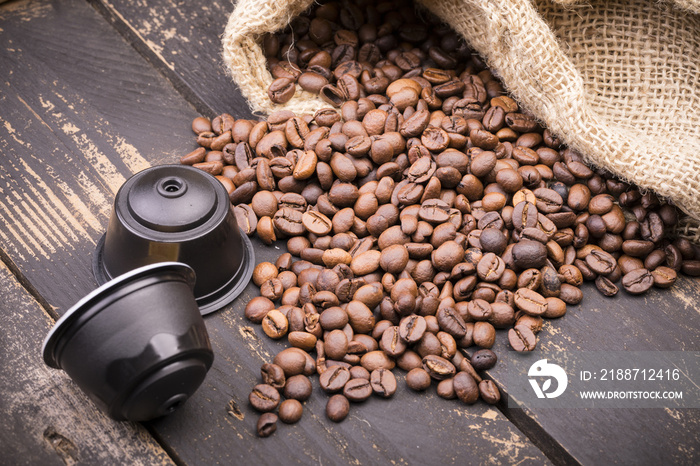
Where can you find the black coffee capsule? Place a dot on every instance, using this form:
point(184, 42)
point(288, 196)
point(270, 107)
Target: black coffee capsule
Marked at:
point(137, 346)
point(178, 213)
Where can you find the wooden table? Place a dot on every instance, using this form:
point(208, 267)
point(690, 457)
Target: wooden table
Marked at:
point(92, 92)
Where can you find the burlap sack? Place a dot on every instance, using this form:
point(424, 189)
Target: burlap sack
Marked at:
point(617, 80)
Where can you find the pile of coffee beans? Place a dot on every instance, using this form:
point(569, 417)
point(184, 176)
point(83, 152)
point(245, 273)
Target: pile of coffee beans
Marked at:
point(426, 207)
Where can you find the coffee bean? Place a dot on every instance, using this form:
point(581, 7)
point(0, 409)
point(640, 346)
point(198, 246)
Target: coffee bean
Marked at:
point(273, 375)
point(555, 308)
point(465, 388)
point(264, 398)
point(267, 424)
point(298, 387)
point(412, 328)
point(570, 294)
point(529, 254)
point(336, 344)
point(418, 379)
point(357, 390)
point(530, 302)
point(524, 215)
point(289, 221)
point(601, 262)
point(376, 360)
point(451, 322)
point(664, 277)
point(438, 367)
point(521, 338)
point(257, 308)
point(605, 286)
point(316, 223)
point(337, 408)
point(483, 359)
point(391, 343)
point(383, 383)
point(490, 268)
point(484, 334)
point(291, 360)
point(637, 281)
point(275, 324)
point(489, 392)
point(334, 379)
point(290, 411)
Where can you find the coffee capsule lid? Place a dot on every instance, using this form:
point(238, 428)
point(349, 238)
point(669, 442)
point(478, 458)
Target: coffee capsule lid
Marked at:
point(178, 213)
point(78, 312)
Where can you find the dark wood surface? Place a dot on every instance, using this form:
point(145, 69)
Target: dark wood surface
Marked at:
point(92, 93)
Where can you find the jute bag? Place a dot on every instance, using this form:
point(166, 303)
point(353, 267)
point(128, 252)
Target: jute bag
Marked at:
point(617, 80)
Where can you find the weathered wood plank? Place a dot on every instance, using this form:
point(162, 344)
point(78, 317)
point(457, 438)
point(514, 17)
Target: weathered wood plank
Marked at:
point(661, 320)
point(44, 417)
point(182, 40)
point(80, 112)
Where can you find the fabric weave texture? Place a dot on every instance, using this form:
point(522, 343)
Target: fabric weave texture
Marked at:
point(617, 80)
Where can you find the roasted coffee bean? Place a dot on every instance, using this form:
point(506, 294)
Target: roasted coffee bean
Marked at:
point(412, 328)
point(391, 343)
point(555, 308)
point(357, 390)
point(337, 408)
point(298, 387)
point(484, 334)
point(273, 375)
point(530, 302)
point(438, 367)
point(316, 223)
point(275, 324)
point(664, 277)
point(376, 360)
point(451, 322)
point(490, 268)
point(336, 344)
point(489, 392)
point(691, 268)
point(521, 338)
point(493, 240)
point(601, 262)
point(418, 379)
point(257, 308)
point(465, 387)
point(290, 411)
point(483, 359)
point(267, 424)
point(281, 90)
point(524, 216)
point(605, 286)
point(291, 360)
point(529, 254)
point(264, 398)
point(570, 294)
point(359, 372)
point(383, 382)
point(334, 379)
point(637, 281)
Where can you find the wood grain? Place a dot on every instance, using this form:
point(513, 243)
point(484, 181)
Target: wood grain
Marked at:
point(44, 417)
point(661, 320)
point(81, 111)
point(182, 40)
